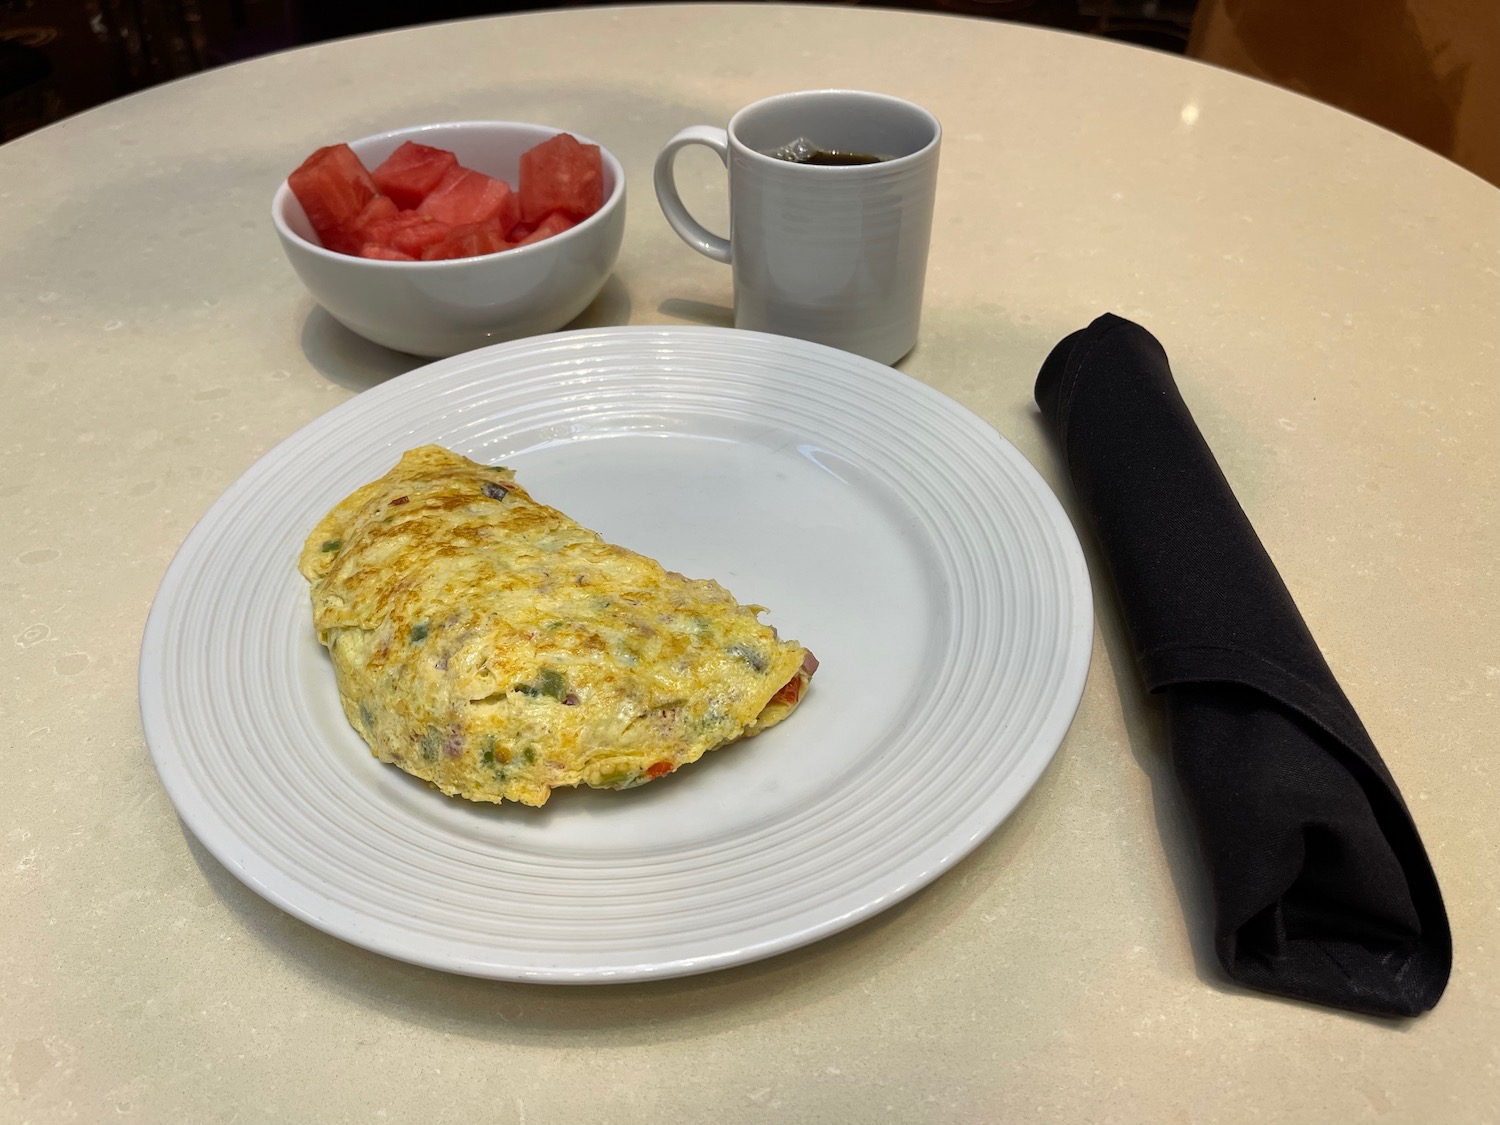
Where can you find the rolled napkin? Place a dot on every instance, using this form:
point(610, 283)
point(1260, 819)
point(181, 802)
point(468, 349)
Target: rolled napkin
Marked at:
point(1321, 887)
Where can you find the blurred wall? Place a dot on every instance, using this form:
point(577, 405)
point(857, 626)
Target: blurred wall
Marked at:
point(1427, 69)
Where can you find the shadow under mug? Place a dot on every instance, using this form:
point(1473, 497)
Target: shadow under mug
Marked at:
point(832, 254)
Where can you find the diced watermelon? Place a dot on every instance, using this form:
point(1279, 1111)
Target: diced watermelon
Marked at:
point(561, 175)
point(333, 188)
point(554, 223)
point(412, 171)
point(408, 232)
point(385, 253)
point(378, 210)
point(417, 237)
point(466, 197)
point(420, 203)
point(468, 241)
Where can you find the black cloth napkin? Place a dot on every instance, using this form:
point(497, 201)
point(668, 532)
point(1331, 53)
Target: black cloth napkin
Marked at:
point(1321, 887)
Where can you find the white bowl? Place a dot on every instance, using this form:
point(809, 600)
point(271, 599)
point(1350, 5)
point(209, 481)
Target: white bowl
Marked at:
point(445, 307)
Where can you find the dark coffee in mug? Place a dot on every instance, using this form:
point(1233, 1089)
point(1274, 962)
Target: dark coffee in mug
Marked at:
point(828, 158)
point(804, 151)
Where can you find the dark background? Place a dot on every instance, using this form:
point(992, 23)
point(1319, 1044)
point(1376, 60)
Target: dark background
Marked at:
point(61, 56)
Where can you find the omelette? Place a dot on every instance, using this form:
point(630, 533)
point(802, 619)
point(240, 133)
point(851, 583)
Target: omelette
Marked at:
point(491, 646)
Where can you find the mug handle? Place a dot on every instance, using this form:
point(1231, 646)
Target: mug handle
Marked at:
point(688, 228)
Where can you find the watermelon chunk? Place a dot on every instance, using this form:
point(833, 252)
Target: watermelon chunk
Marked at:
point(561, 175)
point(554, 223)
point(469, 241)
point(466, 197)
point(421, 204)
point(378, 210)
point(410, 173)
point(333, 188)
point(415, 238)
point(408, 232)
point(385, 253)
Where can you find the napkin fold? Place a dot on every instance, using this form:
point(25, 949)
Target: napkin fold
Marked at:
point(1321, 887)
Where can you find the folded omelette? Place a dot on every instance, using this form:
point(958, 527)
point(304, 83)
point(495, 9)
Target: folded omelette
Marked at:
point(493, 647)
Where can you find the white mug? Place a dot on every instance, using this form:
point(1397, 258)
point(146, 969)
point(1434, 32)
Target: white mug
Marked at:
point(833, 254)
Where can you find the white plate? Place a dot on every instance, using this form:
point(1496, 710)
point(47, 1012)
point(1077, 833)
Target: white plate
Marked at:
point(891, 531)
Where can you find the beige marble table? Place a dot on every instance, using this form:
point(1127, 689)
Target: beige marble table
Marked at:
point(1330, 295)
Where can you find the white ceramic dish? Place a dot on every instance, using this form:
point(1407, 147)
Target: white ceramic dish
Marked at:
point(446, 307)
point(909, 545)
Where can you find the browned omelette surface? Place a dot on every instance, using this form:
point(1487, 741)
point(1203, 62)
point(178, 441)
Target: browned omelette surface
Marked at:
point(492, 646)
